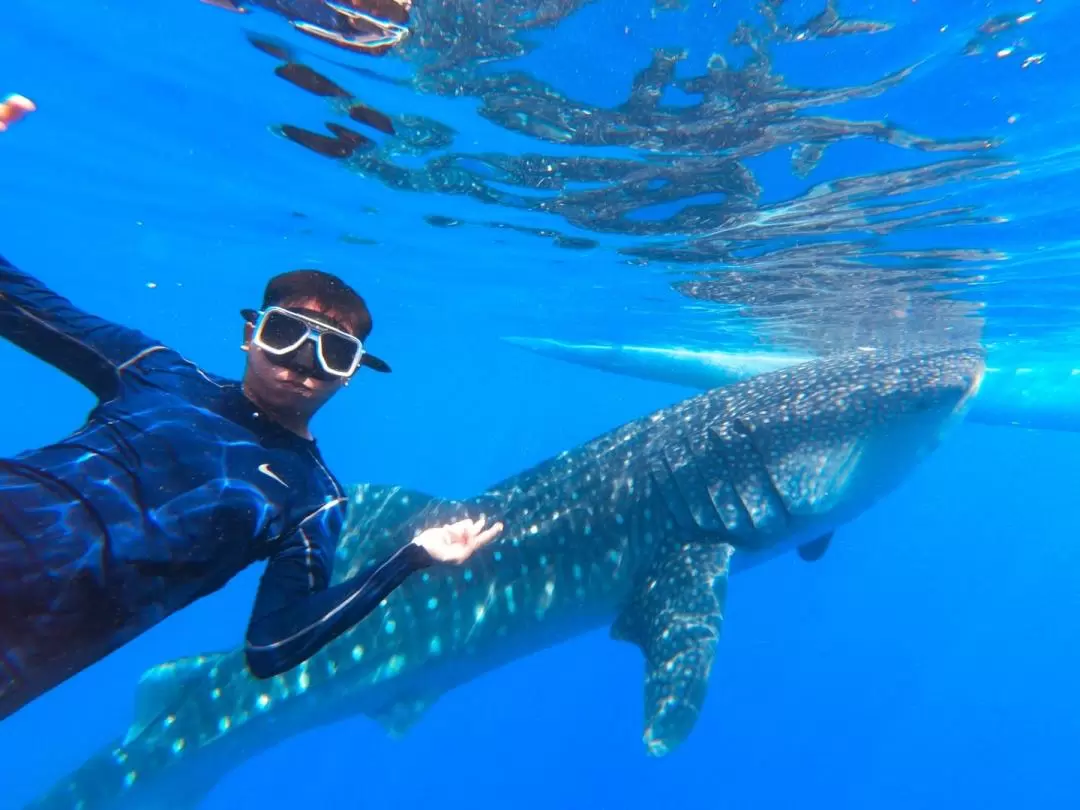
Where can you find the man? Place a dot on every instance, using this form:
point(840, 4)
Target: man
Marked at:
point(179, 480)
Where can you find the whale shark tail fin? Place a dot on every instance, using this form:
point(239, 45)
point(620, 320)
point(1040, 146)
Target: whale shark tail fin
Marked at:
point(114, 770)
point(675, 618)
point(162, 690)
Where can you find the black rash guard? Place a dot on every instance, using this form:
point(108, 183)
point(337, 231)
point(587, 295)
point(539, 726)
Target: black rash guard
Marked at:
point(175, 483)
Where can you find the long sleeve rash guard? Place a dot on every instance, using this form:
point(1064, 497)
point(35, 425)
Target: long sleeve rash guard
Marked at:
point(175, 483)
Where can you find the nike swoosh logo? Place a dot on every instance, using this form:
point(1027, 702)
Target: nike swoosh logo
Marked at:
point(265, 470)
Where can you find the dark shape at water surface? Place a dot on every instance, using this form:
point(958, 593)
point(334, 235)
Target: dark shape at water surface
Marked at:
point(350, 239)
point(437, 221)
point(557, 239)
point(574, 243)
point(307, 79)
point(344, 143)
point(372, 117)
point(275, 48)
point(349, 136)
point(676, 177)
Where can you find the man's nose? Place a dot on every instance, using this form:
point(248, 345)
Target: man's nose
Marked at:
point(306, 353)
point(304, 357)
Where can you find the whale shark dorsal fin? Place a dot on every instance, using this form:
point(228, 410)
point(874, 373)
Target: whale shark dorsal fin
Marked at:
point(675, 618)
point(378, 516)
point(815, 549)
point(161, 686)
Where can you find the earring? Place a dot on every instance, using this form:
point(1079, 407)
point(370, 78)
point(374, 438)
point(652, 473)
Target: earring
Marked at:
point(243, 347)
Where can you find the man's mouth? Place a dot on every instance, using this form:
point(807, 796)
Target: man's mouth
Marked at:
point(295, 383)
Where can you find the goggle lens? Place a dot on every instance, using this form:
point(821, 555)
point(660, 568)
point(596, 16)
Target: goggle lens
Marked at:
point(339, 353)
point(280, 331)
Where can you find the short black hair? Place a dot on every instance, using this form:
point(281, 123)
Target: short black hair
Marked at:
point(326, 288)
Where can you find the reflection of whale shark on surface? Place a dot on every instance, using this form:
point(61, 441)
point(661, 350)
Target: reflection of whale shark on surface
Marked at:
point(637, 529)
point(1044, 396)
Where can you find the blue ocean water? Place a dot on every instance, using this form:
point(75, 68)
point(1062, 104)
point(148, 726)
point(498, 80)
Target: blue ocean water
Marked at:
point(926, 661)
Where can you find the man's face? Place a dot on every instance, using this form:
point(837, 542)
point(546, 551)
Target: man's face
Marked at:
point(286, 384)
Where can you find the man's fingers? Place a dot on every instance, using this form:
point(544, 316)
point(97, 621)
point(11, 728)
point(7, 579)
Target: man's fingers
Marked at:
point(472, 532)
point(467, 526)
point(459, 528)
point(485, 537)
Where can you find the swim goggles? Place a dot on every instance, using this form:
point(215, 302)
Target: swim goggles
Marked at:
point(281, 331)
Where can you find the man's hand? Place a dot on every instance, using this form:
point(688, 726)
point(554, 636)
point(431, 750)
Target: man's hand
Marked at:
point(13, 108)
point(455, 543)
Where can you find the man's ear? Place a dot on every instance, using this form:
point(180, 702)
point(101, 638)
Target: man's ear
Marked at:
point(249, 330)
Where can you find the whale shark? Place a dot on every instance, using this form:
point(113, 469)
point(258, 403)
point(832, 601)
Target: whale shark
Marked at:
point(1041, 393)
point(638, 530)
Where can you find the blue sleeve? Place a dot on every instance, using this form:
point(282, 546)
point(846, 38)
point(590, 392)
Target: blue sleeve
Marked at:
point(83, 346)
point(296, 614)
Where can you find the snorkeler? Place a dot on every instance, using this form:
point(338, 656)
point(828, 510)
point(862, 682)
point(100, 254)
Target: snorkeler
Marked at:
point(179, 480)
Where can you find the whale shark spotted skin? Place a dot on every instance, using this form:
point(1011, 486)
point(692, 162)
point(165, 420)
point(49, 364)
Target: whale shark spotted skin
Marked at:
point(638, 529)
point(1041, 392)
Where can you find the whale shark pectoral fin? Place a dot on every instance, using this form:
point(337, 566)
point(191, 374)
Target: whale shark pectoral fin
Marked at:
point(815, 549)
point(675, 619)
point(161, 687)
point(398, 717)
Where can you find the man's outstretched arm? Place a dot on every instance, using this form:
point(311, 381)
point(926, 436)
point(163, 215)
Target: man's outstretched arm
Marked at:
point(90, 349)
point(296, 614)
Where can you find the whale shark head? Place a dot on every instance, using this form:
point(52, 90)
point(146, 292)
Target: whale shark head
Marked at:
point(754, 469)
point(833, 436)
